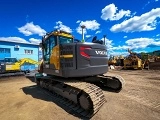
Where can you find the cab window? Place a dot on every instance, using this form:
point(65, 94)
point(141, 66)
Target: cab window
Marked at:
point(65, 40)
point(48, 46)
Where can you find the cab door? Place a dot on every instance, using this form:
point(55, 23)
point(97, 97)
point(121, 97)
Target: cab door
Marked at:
point(51, 53)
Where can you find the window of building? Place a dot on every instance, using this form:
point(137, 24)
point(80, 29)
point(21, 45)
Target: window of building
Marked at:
point(5, 50)
point(28, 51)
point(1, 50)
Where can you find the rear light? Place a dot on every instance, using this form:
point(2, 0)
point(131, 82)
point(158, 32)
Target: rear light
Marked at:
point(82, 51)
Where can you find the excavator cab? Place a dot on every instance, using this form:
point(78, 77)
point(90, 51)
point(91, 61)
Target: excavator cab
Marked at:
point(66, 58)
point(10, 60)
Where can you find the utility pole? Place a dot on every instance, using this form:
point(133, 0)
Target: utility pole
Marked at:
point(105, 43)
point(104, 36)
point(83, 27)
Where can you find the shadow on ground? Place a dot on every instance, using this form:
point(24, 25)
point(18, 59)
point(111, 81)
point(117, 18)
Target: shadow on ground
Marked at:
point(31, 78)
point(39, 93)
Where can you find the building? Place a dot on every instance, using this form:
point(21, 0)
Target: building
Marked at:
point(18, 50)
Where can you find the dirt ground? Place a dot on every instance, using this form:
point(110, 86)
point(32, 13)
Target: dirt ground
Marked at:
point(21, 99)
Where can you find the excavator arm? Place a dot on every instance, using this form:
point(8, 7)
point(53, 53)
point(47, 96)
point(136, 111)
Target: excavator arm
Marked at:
point(27, 60)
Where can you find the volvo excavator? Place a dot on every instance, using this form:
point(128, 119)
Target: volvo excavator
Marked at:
point(75, 71)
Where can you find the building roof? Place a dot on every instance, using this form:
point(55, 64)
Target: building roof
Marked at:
point(21, 42)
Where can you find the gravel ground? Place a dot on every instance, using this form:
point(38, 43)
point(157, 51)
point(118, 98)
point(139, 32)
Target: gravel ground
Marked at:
point(20, 99)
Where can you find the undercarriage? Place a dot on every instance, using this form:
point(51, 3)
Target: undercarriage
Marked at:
point(83, 92)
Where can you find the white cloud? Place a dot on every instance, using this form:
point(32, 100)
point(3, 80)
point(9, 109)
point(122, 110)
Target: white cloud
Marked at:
point(124, 47)
point(145, 22)
point(13, 39)
point(118, 53)
point(110, 13)
point(133, 14)
point(137, 43)
point(158, 35)
point(87, 36)
point(108, 43)
point(35, 41)
point(89, 24)
point(133, 44)
point(78, 21)
point(98, 32)
point(20, 40)
point(125, 37)
point(156, 43)
point(140, 51)
point(79, 30)
point(157, 39)
point(30, 29)
point(60, 26)
point(112, 50)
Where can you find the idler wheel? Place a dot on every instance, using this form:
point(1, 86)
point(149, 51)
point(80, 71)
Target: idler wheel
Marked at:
point(85, 102)
point(115, 84)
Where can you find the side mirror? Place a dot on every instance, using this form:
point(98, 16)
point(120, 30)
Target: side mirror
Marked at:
point(41, 45)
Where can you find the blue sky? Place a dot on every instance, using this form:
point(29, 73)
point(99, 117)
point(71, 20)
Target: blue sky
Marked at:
point(133, 24)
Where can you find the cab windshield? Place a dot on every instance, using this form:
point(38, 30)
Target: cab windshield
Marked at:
point(65, 40)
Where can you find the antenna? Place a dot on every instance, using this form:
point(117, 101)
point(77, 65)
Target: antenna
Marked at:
point(104, 36)
point(83, 26)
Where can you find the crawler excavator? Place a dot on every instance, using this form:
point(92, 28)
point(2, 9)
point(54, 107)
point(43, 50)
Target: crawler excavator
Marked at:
point(75, 71)
point(12, 66)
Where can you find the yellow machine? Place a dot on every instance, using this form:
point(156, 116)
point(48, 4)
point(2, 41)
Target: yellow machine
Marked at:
point(116, 60)
point(74, 71)
point(13, 65)
point(133, 62)
point(112, 60)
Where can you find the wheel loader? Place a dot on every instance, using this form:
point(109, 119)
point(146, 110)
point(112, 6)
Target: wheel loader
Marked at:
point(75, 71)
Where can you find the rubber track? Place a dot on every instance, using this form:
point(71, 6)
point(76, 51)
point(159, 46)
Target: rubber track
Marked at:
point(93, 91)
